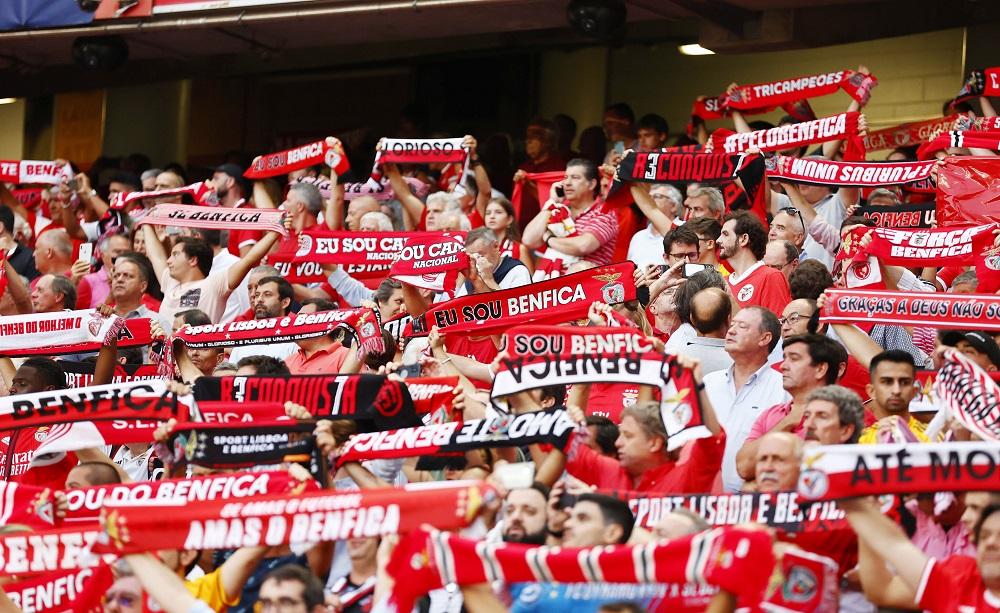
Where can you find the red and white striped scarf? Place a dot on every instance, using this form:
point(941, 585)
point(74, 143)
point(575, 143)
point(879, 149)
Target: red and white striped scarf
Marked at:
point(202, 193)
point(970, 394)
point(34, 171)
point(737, 560)
point(69, 332)
point(818, 171)
point(219, 218)
point(971, 139)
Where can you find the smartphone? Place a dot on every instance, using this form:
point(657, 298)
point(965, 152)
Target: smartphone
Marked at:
point(567, 500)
point(408, 371)
point(620, 147)
point(693, 269)
point(560, 191)
point(519, 475)
point(86, 252)
point(73, 185)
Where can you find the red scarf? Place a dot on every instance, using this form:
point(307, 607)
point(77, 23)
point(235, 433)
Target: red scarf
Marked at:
point(81, 374)
point(837, 127)
point(861, 174)
point(33, 171)
point(56, 549)
point(305, 518)
point(935, 310)
point(955, 139)
point(80, 591)
point(431, 262)
point(286, 329)
point(542, 185)
point(980, 124)
point(656, 167)
point(830, 472)
point(421, 151)
point(966, 191)
point(68, 332)
point(25, 504)
point(345, 247)
point(202, 193)
point(737, 560)
point(908, 134)
point(220, 218)
point(328, 151)
point(920, 215)
point(552, 301)
point(765, 97)
point(970, 395)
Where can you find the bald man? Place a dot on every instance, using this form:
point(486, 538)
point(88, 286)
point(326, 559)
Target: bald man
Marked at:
point(711, 310)
point(779, 455)
point(357, 209)
point(54, 253)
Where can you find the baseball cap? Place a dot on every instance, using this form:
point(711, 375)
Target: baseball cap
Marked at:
point(983, 343)
point(235, 172)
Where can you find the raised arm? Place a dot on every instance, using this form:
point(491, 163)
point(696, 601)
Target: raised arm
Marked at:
point(886, 539)
point(412, 206)
point(253, 256)
point(659, 219)
point(164, 586)
point(154, 248)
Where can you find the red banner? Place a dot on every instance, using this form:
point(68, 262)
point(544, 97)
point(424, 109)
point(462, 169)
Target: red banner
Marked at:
point(908, 134)
point(421, 151)
point(297, 158)
point(818, 171)
point(837, 127)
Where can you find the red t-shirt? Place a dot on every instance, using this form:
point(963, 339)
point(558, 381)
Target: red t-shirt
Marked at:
point(761, 286)
point(953, 585)
point(242, 238)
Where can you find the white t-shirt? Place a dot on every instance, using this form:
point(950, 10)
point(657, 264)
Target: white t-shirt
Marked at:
point(208, 294)
point(238, 301)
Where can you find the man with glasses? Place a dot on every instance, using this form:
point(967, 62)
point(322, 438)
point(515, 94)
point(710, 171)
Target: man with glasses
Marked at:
point(680, 245)
point(782, 256)
point(794, 319)
point(708, 231)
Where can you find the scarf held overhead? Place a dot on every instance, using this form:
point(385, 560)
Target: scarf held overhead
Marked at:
point(922, 215)
point(243, 445)
point(306, 518)
point(966, 191)
point(847, 174)
point(778, 93)
point(908, 134)
point(33, 171)
point(376, 400)
point(69, 332)
point(421, 151)
point(959, 139)
point(365, 248)
point(286, 329)
point(328, 151)
point(831, 472)
point(737, 560)
point(970, 395)
point(553, 301)
point(837, 127)
point(221, 218)
point(980, 83)
point(202, 194)
point(935, 310)
point(431, 263)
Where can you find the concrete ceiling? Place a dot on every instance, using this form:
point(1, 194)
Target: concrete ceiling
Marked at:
point(306, 35)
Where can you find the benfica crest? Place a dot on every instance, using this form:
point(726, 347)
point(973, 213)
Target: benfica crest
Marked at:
point(991, 257)
point(115, 529)
point(813, 483)
point(613, 293)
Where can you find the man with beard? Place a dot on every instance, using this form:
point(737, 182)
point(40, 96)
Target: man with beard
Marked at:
point(272, 298)
point(525, 515)
point(743, 243)
point(891, 389)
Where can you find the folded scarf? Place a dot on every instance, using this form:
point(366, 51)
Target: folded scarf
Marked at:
point(552, 426)
point(737, 560)
point(375, 401)
point(221, 218)
point(27, 505)
point(557, 300)
point(297, 158)
point(202, 193)
point(920, 215)
point(69, 332)
point(303, 519)
point(33, 171)
point(431, 263)
point(908, 134)
point(969, 394)
point(819, 171)
point(287, 329)
point(934, 310)
point(966, 190)
point(831, 472)
point(837, 127)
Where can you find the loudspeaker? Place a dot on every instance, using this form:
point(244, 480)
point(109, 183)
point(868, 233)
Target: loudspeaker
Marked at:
point(601, 19)
point(100, 52)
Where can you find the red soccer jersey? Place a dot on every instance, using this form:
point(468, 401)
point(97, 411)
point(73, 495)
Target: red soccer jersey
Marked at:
point(953, 585)
point(761, 286)
point(609, 399)
point(243, 238)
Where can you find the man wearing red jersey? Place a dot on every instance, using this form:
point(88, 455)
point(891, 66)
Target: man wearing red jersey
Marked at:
point(743, 242)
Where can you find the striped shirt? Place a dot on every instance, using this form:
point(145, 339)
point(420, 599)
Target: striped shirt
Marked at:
point(603, 226)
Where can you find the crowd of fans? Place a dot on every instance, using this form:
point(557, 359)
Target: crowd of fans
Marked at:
point(772, 377)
